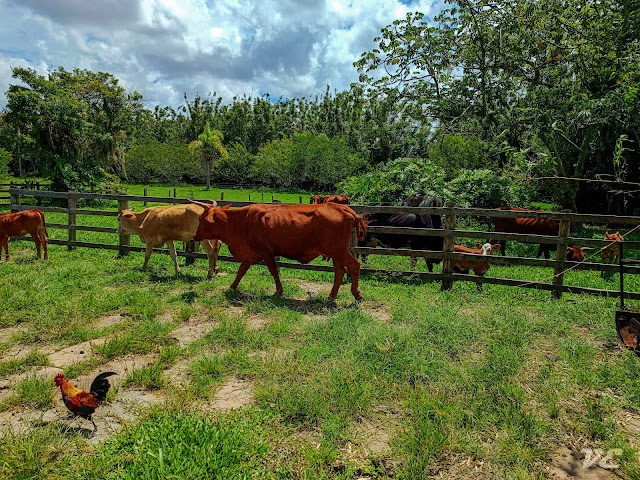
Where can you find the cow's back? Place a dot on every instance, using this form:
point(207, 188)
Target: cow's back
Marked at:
point(298, 231)
point(21, 223)
point(171, 222)
point(537, 226)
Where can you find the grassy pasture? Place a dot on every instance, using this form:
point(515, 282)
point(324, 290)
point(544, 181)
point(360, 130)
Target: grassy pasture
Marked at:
point(413, 383)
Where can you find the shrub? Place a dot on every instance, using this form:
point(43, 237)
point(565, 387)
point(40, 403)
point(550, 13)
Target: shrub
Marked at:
point(153, 161)
point(394, 181)
point(236, 167)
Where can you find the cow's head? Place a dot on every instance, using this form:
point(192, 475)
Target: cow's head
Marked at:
point(315, 199)
point(613, 236)
point(125, 222)
point(575, 254)
point(487, 248)
point(206, 230)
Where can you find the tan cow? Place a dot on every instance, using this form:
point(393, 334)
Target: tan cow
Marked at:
point(167, 224)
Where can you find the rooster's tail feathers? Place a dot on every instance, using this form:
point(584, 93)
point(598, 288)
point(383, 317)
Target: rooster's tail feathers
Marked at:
point(100, 385)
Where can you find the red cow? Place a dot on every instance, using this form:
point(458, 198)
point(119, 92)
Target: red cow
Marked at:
point(28, 222)
point(535, 226)
point(342, 199)
point(575, 254)
point(260, 232)
point(479, 267)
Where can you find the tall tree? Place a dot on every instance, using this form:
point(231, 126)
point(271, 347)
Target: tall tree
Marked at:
point(554, 81)
point(74, 123)
point(209, 149)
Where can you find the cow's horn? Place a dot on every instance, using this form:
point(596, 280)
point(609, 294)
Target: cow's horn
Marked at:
point(195, 202)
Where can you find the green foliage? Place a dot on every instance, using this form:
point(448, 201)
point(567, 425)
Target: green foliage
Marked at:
point(161, 162)
point(234, 168)
point(459, 151)
point(72, 124)
point(393, 182)
point(5, 160)
point(306, 161)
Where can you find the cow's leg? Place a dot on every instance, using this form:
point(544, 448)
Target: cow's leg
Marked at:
point(429, 262)
point(413, 262)
point(147, 254)
point(212, 247)
point(4, 243)
point(241, 271)
point(503, 247)
point(174, 256)
point(36, 240)
point(339, 266)
point(270, 262)
point(43, 239)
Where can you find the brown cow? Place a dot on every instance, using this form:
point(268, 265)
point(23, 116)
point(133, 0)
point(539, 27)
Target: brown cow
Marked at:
point(478, 266)
point(536, 226)
point(165, 224)
point(18, 224)
point(611, 253)
point(260, 232)
point(341, 199)
point(575, 254)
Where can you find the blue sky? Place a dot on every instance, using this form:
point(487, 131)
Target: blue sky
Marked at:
point(165, 48)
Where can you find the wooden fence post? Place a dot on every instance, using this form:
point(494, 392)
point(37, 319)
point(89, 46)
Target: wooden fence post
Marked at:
point(15, 198)
point(71, 205)
point(145, 194)
point(190, 247)
point(263, 197)
point(449, 241)
point(124, 238)
point(300, 198)
point(561, 256)
point(221, 196)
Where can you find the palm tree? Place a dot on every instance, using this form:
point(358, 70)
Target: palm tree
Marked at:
point(209, 149)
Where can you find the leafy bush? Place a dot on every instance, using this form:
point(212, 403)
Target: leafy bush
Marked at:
point(394, 181)
point(236, 167)
point(161, 162)
point(459, 151)
point(306, 161)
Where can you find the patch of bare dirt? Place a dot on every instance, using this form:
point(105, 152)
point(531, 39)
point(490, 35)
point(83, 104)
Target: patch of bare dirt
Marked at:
point(75, 353)
point(565, 464)
point(191, 331)
point(235, 393)
point(109, 321)
point(166, 317)
point(256, 322)
point(372, 435)
point(313, 288)
point(178, 373)
point(41, 372)
point(629, 421)
point(378, 310)
point(18, 352)
point(7, 333)
point(123, 366)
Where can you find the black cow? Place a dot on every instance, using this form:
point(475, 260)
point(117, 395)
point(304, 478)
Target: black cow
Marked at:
point(413, 242)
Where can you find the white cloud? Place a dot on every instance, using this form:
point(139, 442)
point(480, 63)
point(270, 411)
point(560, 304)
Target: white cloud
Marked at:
point(164, 48)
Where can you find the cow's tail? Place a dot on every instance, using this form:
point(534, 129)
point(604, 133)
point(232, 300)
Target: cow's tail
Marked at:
point(44, 224)
point(361, 228)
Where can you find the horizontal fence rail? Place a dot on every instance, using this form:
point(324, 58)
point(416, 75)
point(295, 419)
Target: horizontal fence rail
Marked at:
point(450, 234)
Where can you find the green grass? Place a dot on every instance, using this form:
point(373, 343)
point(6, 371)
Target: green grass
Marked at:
point(504, 378)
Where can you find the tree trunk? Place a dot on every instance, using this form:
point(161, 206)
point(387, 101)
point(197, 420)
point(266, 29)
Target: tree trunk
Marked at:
point(207, 168)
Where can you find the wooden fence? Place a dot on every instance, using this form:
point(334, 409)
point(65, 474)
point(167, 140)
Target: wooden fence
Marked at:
point(449, 232)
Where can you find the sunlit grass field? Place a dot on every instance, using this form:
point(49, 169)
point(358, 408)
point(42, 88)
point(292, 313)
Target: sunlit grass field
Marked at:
point(411, 383)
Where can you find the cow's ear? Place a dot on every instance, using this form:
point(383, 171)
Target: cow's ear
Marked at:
point(226, 207)
point(479, 245)
point(495, 246)
point(209, 217)
point(128, 215)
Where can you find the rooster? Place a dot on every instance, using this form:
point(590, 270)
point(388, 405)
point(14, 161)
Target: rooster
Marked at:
point(80, 402)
